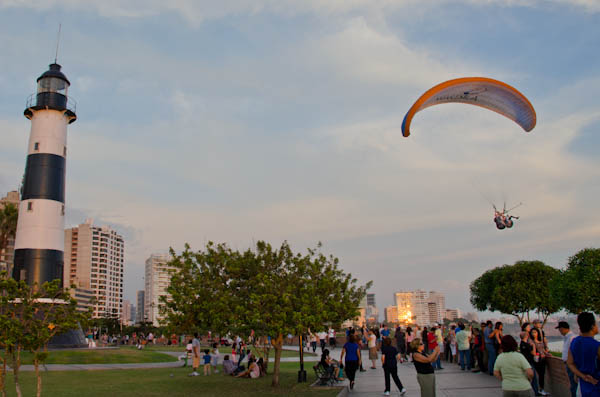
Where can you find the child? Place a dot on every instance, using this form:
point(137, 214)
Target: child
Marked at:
point(188, 353)
point(234, 353)
point(214, 358)
point(206, 359)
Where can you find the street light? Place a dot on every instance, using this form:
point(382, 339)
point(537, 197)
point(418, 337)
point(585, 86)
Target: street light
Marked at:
point(301, 372)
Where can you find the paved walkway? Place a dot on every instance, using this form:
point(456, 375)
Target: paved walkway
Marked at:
point(450, 382)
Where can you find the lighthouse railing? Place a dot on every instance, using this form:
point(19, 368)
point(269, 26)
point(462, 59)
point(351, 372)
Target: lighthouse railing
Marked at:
point(32, 100)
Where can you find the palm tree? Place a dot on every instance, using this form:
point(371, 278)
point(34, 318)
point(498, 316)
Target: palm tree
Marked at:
point(8, 224)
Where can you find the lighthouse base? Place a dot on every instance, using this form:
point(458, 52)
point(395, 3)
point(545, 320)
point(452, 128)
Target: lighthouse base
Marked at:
point(68, 340)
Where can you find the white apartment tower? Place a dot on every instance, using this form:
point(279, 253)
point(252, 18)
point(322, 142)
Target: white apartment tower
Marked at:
point(94, 258)
point(420, 307)
point(158, 278)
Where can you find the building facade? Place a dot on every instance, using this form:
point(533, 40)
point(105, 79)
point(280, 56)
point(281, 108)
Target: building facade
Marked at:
point(7, 255)
point(157, 280)
point(420, 307)
point(452, 314)
point(139, 310)
point(391, 315)
point(94, 259)
point(126, 313)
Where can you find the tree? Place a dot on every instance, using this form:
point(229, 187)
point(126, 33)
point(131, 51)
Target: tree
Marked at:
point(8, 224)
point(271, 292)
point(516, 290)
point(30, 316)
point(577, 288)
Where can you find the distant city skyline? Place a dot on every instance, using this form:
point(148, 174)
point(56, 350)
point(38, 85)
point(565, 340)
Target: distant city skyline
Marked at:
point(234, 123)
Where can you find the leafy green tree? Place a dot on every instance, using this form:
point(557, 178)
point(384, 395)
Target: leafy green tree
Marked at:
point(30, 316)
point(271, 292)
point(516, 290)
point(577, 287)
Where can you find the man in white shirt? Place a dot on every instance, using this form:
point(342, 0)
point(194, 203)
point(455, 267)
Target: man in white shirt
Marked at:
point(565, 331)
point(331, 335)
point(322, 339)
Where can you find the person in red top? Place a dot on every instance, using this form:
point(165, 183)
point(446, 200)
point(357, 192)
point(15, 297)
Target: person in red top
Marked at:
point(432, 344)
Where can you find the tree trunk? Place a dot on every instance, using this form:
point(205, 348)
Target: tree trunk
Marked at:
point(16, 365)
point(36, 364)
point(278, 345)
point(266, 350)
point(3, 376)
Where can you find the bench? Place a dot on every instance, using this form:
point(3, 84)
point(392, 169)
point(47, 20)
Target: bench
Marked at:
point(325, 376)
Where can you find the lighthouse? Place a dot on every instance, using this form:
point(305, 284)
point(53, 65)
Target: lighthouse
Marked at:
point(39, 242)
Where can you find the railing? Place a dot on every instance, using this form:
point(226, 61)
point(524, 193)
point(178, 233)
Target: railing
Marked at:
point(32, 102)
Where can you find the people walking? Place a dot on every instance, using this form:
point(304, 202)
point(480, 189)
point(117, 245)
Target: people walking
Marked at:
point(527, 349)
point(425, 372)
point(513, 370)
point(401, 343)
point(452, 342)
point(584, 355)
point(540, 358)
point(351, 353)
point(488, 336)
point(463, 342)
point(389, 362)
point(565, 330)
point(372, 345)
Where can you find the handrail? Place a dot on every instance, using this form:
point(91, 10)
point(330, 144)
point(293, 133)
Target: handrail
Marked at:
point(32, 102)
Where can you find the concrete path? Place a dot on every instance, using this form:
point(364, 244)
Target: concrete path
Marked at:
point(450, 382)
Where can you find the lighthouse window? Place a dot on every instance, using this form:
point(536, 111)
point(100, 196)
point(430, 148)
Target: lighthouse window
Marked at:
point(62, 211)
point(36, 146)
point(30, 206)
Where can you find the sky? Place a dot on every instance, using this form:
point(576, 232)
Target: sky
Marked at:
point(275, 120)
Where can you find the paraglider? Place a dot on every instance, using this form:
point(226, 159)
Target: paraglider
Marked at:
point(479, 91)
point(487, 93)
point(502, 219)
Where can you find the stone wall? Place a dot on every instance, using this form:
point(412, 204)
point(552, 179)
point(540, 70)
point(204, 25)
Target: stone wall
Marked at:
point(557, 381)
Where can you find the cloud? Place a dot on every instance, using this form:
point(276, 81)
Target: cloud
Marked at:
point(196, 12)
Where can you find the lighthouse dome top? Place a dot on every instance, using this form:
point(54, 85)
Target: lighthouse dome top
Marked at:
point(54, 72)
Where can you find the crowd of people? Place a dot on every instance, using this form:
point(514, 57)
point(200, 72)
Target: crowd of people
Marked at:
point(520, 365)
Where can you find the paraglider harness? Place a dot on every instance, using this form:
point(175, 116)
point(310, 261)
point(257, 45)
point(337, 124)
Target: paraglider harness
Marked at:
point(502, 219)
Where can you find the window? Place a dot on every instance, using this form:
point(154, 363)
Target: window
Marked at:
point(36, 146)
point(64, 151)
point(29, 206)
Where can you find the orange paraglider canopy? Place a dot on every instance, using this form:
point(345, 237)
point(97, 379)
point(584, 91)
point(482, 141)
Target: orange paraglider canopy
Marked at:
point(479, 91)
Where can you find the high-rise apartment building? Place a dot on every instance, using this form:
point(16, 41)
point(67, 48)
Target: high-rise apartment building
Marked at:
point(420, 307)
point(452, 314)
point(437, 311)
point(372, 313)
point(126, 313)
point(139, 311)
point(391, 315)
point(94, 259)
point(7, 255)
point(158, 278)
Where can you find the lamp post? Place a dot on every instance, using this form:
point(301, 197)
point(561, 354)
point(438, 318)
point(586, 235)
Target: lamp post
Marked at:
point(301, 372)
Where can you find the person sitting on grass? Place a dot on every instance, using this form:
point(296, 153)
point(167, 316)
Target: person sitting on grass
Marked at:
point(253, 370)
point(228, 365)
point(206, 359)
point(329, 364)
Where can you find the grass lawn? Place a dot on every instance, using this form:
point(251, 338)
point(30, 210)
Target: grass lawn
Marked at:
point(172, 382)
point(222, 350)
point(102, 356)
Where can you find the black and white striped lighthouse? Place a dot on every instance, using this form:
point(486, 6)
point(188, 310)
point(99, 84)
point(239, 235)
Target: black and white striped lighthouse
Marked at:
point(39, 243)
